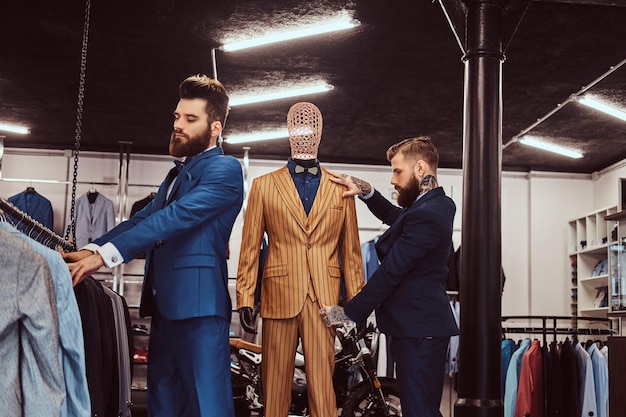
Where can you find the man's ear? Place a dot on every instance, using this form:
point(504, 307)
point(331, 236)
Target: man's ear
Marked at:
point(216, 128)
point(420, 168)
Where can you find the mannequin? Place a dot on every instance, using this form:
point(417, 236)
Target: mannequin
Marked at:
point(312, 243)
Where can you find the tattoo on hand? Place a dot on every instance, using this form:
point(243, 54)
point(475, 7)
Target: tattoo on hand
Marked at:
point(363, 186)
point(428, 183)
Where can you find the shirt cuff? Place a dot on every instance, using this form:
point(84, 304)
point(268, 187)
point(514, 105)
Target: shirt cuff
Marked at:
point(110, 255)
point(91, 247)
point(368, 195)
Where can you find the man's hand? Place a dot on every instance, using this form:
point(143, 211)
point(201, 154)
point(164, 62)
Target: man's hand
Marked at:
point(355, 186)
point(334, 316)
point(69, 257)
point(247, 319)
point(84, 266)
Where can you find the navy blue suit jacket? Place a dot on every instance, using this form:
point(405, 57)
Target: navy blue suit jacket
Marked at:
point(35, 205)
point(185, 238)
point(408, 290)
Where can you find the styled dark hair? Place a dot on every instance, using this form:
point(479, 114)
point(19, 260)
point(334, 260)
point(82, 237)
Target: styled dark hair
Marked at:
point(415, 149)
point(201, 86)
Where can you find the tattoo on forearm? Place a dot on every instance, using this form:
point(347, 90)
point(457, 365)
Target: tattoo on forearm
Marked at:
point(364, 186)
point(428, 183)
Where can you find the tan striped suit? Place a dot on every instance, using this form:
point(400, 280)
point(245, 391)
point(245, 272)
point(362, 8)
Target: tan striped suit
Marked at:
point(303, 269)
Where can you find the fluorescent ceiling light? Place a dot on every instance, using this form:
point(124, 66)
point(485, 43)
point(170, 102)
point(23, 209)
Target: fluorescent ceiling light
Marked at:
point(292, 34)
point(14, 129)
point(257, 98)
point(550, 147)
point(598, 105)
point(256, 137)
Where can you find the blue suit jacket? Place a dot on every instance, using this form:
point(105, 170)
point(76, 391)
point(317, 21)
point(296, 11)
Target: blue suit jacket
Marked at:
point(35, 205)
point(185, 238)
point(408, 290)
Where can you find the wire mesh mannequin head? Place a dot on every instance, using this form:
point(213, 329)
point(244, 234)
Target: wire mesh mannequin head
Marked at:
point(304, 123)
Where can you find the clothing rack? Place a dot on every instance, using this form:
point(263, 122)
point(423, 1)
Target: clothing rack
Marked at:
point(550, 325)
point(34, 229)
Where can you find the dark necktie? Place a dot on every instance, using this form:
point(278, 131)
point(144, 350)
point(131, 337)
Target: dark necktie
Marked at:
point(299, 168)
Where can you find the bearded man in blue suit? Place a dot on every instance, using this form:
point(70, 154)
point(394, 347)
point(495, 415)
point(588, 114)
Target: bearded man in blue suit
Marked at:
point(184, 231)
point(408, 290)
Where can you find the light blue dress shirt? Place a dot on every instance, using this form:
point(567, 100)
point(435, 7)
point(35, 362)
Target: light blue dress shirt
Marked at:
point(71, 347)
point(587, 385)
point(601, 379)
point(512, 378)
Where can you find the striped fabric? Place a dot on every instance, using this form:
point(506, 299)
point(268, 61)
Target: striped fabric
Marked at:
point(306, 259)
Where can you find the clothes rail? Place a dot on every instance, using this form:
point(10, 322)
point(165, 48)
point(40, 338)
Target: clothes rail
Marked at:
point(40, 181)
point(34, 229)
point(550, 325)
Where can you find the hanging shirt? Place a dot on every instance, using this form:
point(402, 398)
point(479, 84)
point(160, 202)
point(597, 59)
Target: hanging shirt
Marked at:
point(601, 379)
point(512, 378)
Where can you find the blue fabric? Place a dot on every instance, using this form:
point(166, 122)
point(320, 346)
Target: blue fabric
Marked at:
point(601, 379)
point(411, 279)
point(188, 366)
point(35, 205)
point(185, 239)
point(71, 348)
point(512, 378)
point(306, 185)
point(508, 347)
point(420, 374)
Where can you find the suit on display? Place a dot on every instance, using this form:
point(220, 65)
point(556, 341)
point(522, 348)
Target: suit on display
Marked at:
point(312, 242)
point(35, 205)
point(93, 219)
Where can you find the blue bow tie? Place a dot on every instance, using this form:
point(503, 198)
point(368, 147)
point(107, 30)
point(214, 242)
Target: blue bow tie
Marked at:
point(298, 169)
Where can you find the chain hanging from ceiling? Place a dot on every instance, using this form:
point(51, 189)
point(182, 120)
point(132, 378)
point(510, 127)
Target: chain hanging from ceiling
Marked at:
point(71, 227)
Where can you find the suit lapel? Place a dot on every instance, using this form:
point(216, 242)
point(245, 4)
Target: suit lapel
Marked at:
point(287, 191)
point(322, 200)
point(184, 172)
point(97, 208)
point(391, 231)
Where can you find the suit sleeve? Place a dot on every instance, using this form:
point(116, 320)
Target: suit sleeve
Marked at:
point(420, 233)
point(219, 187)
point(351, 255)
point(252, 235)
point(382, 208)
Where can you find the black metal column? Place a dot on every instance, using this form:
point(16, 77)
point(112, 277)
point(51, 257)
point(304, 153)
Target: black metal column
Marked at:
point(479, 384)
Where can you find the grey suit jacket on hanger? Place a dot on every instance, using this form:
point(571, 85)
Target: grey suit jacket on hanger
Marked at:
point(32, 381)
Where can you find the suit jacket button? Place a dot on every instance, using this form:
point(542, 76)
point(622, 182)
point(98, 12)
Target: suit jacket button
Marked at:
point(308, 246)
point(159, 244)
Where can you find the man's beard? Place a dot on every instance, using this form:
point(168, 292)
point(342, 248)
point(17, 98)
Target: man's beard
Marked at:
point(408, 195)
point(190, 147)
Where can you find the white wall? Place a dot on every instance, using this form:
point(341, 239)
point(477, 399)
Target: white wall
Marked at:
point(535, 210)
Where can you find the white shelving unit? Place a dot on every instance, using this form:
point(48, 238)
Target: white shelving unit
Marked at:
point(589, 240)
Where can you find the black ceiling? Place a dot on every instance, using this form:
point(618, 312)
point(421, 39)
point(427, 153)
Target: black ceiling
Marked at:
point(399, 74)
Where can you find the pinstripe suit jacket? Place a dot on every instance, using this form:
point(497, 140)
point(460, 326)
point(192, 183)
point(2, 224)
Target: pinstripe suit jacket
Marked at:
point(318, 249)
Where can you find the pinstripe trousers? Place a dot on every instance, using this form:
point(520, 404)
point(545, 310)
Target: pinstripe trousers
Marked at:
point(280, 340)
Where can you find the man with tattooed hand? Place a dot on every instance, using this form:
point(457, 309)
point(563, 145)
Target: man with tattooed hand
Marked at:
point(408, 290)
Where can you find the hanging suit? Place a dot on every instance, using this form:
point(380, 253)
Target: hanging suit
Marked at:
point(71, 340)
point(303, 270)
point(32, 380)
point(35, 205)
point(92, 220)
